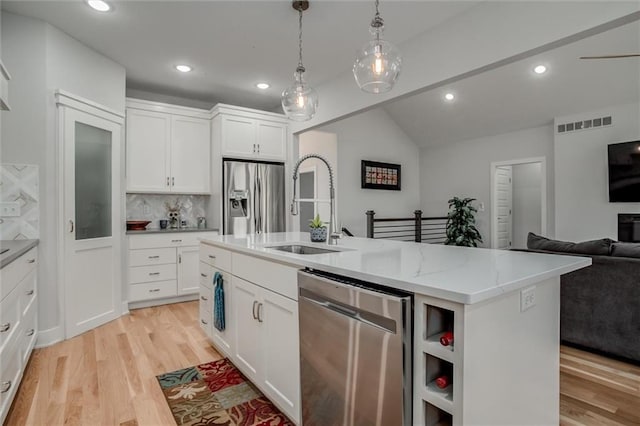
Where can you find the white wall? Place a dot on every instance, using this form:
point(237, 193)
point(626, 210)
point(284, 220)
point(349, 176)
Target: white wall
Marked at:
point(373, 135)
point(526, 180)
point(583, 210)
point(463, 169)
point(42, 59)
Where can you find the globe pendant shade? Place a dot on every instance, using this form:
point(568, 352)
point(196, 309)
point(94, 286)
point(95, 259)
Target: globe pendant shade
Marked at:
point(377, 66)
point(300, 101)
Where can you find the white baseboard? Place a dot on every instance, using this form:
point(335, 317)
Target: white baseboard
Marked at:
point(125, 308)
point(49, 337)
point(157, 302)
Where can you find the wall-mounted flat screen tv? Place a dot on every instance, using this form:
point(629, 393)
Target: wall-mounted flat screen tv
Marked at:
point(624, 172)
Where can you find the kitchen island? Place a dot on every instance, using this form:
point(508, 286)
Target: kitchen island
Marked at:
point(501, 306)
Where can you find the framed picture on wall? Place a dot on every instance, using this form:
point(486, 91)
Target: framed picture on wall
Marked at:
point(376, 175)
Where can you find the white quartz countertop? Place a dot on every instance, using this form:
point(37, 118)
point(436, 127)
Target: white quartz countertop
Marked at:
point(459, 274)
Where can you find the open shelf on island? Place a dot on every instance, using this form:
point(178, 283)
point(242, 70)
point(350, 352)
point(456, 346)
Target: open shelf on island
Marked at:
point(440, 397)
point(434, 416)
point(438, 321)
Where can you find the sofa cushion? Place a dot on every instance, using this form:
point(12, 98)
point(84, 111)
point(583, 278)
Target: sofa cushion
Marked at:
point(594, 247)
point(625, 250)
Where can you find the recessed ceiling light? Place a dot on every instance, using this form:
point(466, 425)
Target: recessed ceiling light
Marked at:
point(449, 96)
point(99, 5)
point(263, 86)
point(183, 68)
point(540, 69)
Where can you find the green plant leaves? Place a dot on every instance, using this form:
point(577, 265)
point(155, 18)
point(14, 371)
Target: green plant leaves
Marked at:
point(461, 230)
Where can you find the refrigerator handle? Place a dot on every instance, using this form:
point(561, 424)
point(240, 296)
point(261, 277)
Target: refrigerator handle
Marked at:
point(259, 206)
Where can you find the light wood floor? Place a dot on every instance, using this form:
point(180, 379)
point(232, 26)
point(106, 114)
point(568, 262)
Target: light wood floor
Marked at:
point(107, 376)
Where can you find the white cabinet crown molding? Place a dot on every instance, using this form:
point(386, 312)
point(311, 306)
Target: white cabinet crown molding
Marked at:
point(79, 103)
point(248, 113)
point(167, 108)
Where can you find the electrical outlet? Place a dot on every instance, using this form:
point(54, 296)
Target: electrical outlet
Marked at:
point(527, 298)
point(480, 207)
point(146, 209)
point(10, 209)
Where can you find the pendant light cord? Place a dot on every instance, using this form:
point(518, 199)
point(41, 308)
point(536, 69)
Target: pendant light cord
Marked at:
point(300, 66)
point(377, 23)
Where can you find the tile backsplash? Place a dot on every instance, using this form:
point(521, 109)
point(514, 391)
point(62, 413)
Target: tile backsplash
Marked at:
point(152, 207)
point(19, 189)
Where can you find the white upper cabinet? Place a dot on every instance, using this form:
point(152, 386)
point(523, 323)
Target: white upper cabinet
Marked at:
point(251, 134)
point(168, 148)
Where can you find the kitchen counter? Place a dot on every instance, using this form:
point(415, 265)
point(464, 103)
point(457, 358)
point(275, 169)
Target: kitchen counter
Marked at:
point(16, 249)
point(171, 230)
point(458, 274)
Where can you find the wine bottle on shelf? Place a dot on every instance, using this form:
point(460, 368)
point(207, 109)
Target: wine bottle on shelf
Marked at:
point(446, 339)
point(442, 381)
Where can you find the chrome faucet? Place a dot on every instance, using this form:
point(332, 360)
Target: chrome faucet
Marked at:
point(333, 235)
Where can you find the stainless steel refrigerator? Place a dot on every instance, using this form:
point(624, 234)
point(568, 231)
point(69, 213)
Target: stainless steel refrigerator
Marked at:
point(253, 197)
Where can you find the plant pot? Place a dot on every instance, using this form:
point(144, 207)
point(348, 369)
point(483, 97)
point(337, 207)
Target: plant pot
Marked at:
point(318, 235)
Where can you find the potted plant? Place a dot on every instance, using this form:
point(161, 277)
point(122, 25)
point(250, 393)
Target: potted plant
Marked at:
point(461, 229)
point(318, 230)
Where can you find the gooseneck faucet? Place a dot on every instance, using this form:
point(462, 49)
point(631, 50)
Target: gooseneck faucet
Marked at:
point(333, 234)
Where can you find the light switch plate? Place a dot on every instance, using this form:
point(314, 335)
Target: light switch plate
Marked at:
point(9, 209)
point(527, 298)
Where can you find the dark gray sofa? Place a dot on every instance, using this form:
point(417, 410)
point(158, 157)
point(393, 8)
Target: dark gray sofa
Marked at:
point(600, 304)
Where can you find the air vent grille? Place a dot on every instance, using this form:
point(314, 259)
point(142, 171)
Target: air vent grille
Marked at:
point(593, 123)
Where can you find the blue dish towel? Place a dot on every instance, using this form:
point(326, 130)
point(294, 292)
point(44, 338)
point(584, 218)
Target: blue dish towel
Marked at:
point(218, 302)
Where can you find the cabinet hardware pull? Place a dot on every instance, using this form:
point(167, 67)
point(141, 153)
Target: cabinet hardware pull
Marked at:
point(168, 182)
point(259, 310)
point(154, 290)
point(258, 148)
point(5, 327)
point(179, 258)
point(203, 298)
point(31, 261)
point(71, 226)
point(5, 386)
point(203, 275)
point(29, 292)
point(254, 148)
point(204, 322)
point(173, 181)
point(176, 241)
point(154, 273)
point(30, 332)
point(154, 257)
point(211, 257)
point(255, 317)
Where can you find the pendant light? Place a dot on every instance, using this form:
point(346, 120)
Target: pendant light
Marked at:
point(300, 101)
point(378, 63)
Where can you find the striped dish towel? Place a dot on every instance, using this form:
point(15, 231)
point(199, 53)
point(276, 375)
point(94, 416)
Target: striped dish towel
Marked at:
point(218, 302)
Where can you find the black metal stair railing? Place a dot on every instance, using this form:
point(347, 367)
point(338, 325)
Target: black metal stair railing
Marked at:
point(417, 228)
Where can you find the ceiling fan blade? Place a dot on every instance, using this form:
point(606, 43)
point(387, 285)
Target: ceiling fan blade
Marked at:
point(631, 55)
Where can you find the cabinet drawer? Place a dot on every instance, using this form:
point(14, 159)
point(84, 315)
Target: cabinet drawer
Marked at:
point(13, 273)
point(206, 322)
point(145, 257)
point(9, 378)
point(155, 290)
point(206, 275)
point(28, 291)
point(206, 300)
point(174, 239)
point(279, 278)
point(28, 332)
point(10, 316)
point(214, 256)
point(144, 274)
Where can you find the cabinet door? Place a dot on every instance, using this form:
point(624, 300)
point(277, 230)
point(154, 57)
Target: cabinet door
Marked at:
point(272, 138)
point(190, 155)
point(147, 154)
point(224, 339)
point(188, 270)
point(238, 137)
point(248, 334)
point(281, 370)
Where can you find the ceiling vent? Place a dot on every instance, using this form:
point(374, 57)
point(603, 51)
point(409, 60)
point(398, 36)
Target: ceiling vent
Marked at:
point(593, 123)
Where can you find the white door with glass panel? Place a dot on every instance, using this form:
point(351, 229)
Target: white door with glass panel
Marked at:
point(504, 206)
point(91, 148)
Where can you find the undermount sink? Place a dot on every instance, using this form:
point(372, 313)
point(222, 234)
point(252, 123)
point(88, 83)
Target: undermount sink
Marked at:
point(300, 249)
point(4, 250)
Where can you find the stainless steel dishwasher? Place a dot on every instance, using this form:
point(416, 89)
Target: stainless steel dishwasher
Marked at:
point(355, 352)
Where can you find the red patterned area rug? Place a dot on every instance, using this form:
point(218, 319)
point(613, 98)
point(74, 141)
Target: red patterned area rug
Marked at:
point(216, 393)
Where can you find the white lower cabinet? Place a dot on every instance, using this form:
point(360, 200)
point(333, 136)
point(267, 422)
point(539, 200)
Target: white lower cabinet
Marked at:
point(223, 339)
point(188, 267)
point(248, 348)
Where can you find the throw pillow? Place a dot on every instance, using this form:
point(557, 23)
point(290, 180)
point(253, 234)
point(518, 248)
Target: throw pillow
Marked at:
point(625, 250)
point(594, 247)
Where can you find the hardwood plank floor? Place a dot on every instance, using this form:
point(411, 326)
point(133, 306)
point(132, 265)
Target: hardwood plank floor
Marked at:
point(107, 376)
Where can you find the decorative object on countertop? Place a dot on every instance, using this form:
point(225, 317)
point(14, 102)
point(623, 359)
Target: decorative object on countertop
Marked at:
point(218, 302)
point(378, 64)
point(202, 222)
point(163, 223)
point(318, 230)
point(152, 207)
point(173, 212)
point(300, 101)
point(137, 225)
point(376, 175)
point(19, 193)
point(461, 229)
point(217, 391)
